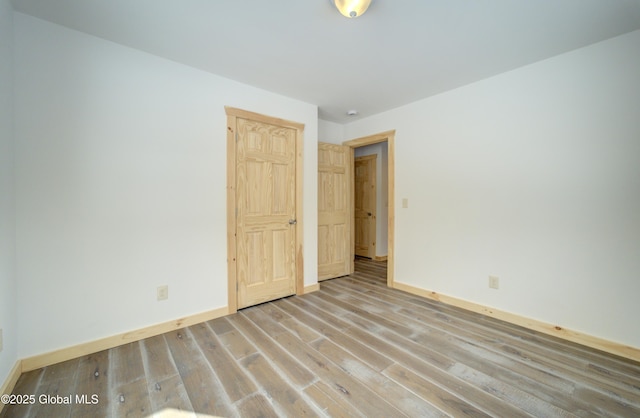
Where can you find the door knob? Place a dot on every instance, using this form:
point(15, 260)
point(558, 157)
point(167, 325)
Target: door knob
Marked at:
point(369, 213)
point(293, 221)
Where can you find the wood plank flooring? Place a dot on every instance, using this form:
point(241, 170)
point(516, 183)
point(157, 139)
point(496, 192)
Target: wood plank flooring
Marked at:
point(354, 348)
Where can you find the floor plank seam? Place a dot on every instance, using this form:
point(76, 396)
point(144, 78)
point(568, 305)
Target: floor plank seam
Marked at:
point(400, 347)
point(329, 360)
point(533, 360)
point(211, 368)
point(516, 358)
point(271, 362)
point(274, 366)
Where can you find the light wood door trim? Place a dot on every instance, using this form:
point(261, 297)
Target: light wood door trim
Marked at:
point(232, 279)
point(245, 114)
point(352, 203)
point(389, 138)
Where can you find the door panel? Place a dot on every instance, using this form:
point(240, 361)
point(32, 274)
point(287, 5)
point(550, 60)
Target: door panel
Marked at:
point(335, 252)
point(265, 199)
point(365, 206)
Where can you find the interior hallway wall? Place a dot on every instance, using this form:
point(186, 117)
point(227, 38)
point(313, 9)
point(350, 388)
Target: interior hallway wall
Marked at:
point(381, 150)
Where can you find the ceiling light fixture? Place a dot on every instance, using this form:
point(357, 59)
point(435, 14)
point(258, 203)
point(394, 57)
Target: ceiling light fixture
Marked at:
point(352, 8)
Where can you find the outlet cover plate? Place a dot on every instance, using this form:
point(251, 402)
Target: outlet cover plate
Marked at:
point(494, 282)
point(163, 292)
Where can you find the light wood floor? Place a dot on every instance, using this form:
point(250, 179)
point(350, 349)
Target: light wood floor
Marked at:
point(354, 348)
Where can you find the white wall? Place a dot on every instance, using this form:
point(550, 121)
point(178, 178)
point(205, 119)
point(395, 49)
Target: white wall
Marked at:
point(532, 176)
point(8, 322)
point(121, 185)
point(330, 132)
point(381, 150)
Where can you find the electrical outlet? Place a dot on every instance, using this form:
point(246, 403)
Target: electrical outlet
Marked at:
point(163, 292)
point(494, 282)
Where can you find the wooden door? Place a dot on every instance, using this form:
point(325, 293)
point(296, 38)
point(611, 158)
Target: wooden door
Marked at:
point(266, 211)
point(335, 248)
point(365, 206)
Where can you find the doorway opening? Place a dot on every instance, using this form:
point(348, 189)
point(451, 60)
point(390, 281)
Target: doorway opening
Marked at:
point(383, 145)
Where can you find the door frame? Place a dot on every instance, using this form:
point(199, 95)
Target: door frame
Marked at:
point(232, 269)
point(389, 138)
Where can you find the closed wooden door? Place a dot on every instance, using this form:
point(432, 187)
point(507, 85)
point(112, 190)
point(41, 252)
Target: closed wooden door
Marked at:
point(365, 206)
point(335, 249)
point(266, 212)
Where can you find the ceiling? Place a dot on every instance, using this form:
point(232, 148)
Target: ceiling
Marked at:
point(398, 52)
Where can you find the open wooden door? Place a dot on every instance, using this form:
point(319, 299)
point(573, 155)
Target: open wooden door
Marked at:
point(335, 248)
point(365, 206)
point(263, 234)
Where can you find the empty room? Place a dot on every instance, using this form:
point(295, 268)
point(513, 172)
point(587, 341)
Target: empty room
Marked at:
point(319, 208)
